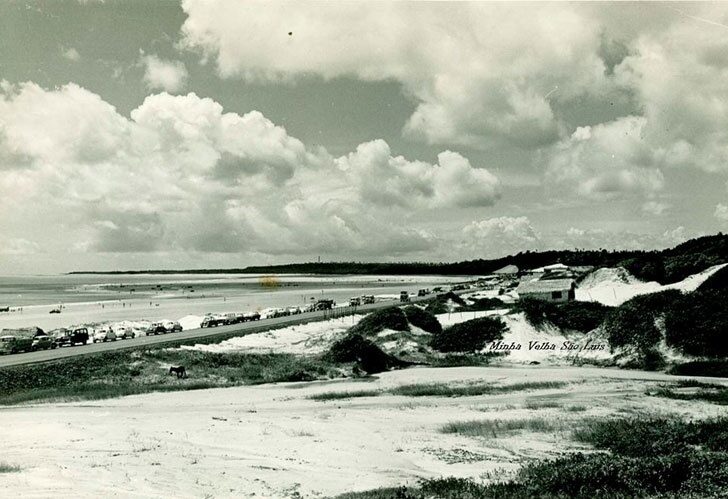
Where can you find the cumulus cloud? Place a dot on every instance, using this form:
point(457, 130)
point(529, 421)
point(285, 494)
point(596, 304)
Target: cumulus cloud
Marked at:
point(654, 207)
point(181, 174)
point(384, 179)
point(605, 161)
point(161, 74)
point(72, 54)
point(721, 212)
point(494, 237)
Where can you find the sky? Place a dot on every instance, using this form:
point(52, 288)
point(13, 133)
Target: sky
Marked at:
point(222, 133)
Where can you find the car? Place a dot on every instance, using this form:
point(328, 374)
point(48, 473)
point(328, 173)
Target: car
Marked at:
point(104, 334)
point(355, 301)
point(234, 318)
point(213, 321)
point(172, 326)
point(43, 342)
point(123, 333)
point(71, 337)
point(404, 296)
point(367, 299)
point(10, 344)
point(324, 304)
point(156, 328)
point(251, 316)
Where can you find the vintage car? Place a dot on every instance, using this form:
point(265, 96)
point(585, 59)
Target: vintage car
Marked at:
point(104, 334)
point(14, 344)
point(71, 337)
point(43, 342)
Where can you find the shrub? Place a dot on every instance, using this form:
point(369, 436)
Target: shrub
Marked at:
point(697, 324)
point(485, 304)
point(574, 315)
point(355, 348)
point(717, 368)
point(423, 319)
point(388, 318)
point(718, 281)
point(437, 307)
point(469, 336)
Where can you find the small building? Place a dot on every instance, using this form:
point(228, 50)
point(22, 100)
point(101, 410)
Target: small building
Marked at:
point(551, 290)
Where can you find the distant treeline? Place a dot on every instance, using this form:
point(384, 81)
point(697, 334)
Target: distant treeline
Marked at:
point(664, 266)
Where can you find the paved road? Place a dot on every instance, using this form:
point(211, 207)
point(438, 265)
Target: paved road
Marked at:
point(241, 329)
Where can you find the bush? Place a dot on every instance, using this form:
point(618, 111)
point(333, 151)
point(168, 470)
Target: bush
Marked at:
point(718, 281)
point(633, 324)
point(485, 304)
point(717, 368)
point(469, 336)
point(437, 307)
point(355, 348)
point(388, 318)
point(573, 315)
point(423, 319)
point(697, 324)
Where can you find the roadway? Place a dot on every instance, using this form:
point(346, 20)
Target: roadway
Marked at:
point(170, 339)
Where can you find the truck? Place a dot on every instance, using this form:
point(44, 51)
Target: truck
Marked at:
point(70, 337)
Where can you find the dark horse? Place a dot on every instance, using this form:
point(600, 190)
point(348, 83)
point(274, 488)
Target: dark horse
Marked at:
point(178, 370)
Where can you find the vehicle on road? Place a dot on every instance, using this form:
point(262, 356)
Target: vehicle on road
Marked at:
point(156, 328)
point(404, 296)
point(123, 333)
point(172, 326)
point(324, 304)
point(251, 316)
point(367, 299)
point(10, 344)
point(213, 321)
point(71, 337)
point(354, 301)
point(423, 292)
point(103, 335)
point(43, 342)
point(233, 318)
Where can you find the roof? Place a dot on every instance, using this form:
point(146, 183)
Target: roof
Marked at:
point(549, 268)
point(508, 269)
point(545, 286)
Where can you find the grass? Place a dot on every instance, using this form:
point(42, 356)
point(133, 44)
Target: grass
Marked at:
point(707, 392)
point(497, 427)
point(716, 368)
point(344, 395)
point(440, 390)
point(129, 372)
point(9, 468)
point(472, 390)
point(536, 404)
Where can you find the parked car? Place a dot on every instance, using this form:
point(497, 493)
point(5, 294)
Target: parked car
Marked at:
point(423, 292)
point(13, 344)
point(213, 321)
point(156, 328)
point(234, 318)
point(251, 316)
point(367, 299)
point(43, 342)
point(355, 301)
point(324, 304)
point(172, 326)
point(404, 296)
point(71, 336)
point(104, 334)
point(123, 333)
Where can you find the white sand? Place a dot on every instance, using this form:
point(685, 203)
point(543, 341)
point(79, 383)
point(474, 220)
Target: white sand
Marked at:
point(271, 441)
point(614, 286)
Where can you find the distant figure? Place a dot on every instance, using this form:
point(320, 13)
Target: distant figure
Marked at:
point(178, 370)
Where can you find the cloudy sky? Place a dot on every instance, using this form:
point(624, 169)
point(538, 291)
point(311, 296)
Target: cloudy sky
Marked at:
point(142, 134)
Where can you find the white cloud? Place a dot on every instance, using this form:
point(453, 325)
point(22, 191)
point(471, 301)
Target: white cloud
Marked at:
point(721, 212)
point(170, 76)
point(183, 175)
point(495, 237)
point(654, 207)
point(605, 161)
point(72, 54)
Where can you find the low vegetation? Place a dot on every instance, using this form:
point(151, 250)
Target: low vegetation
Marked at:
point(641, 458)
point(9, 468)
point(423, 319)
point(495, 428)
point(469, 336)
point(389, 318)
point(573, 316)
point(442, 390)
point(718, 368)
point(697, 323)
point(128, 372)
point(691, 390)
